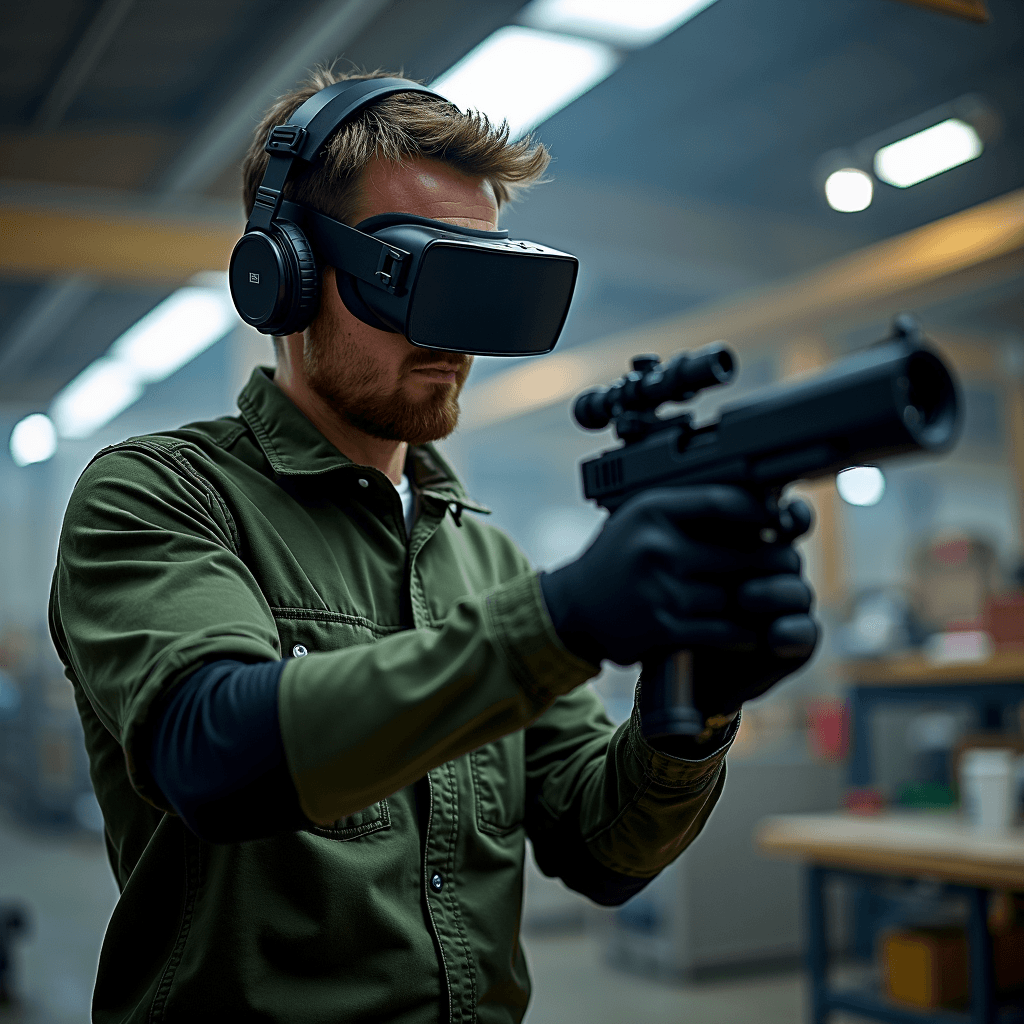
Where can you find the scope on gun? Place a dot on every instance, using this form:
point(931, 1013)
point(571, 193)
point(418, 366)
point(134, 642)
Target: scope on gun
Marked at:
point(650, 384)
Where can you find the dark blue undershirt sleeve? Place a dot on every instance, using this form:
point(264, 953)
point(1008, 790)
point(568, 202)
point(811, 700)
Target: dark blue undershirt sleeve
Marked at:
point(568, 858)
point(218, 757)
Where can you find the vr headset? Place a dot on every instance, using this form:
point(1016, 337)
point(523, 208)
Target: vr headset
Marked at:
point(441, 286)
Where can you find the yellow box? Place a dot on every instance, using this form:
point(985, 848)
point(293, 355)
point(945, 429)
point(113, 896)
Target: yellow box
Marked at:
point(928, 967)
point(925, 967)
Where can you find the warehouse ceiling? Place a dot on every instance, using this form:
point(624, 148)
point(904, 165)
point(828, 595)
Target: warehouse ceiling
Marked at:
point(692, 173)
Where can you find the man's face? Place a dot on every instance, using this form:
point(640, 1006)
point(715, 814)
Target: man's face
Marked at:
point(377, 381)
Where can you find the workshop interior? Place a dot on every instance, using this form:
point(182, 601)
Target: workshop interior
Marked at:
point(788, 186)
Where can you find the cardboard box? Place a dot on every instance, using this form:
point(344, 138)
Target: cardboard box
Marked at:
point(1004, 619)
point(951, 581)
point(929, 967)
point(925, 967)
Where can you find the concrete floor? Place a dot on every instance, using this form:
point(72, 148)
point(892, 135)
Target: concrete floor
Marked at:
point(572, 984)
point(67, 885)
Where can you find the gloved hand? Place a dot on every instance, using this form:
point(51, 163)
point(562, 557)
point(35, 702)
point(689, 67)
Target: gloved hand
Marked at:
point(776, 610)
point(689, 568)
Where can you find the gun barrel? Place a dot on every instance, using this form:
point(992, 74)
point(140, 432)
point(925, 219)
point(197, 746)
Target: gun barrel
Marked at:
point(891, 399)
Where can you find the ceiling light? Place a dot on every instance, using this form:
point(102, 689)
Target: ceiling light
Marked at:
point(161, 343)
point(175, 332)
point(849, 190)
point(103, 389)
point(33, 439)
point(524, 76)
point(927, 153)
point(627, 23)
point(861, 485)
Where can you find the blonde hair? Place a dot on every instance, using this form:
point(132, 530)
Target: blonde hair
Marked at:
point(399, 126)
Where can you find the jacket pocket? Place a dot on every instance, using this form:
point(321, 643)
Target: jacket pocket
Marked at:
point(499, 784)
point(352, 826)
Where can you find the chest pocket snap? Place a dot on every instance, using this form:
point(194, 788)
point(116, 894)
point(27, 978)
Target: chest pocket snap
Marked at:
point(352, 826)
point(499, 785)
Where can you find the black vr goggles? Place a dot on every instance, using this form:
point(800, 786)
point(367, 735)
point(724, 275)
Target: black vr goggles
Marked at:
point(439, 285)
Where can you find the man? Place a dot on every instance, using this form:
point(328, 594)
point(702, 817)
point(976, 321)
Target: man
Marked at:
point(325, 703)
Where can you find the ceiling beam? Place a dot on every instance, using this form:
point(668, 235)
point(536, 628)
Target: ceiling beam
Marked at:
point(45, 242)
point(971, 10)
point(959, 253)
point(40, 242)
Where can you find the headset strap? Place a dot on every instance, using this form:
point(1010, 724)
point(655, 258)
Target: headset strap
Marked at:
point(307, 131)
point(349, 249)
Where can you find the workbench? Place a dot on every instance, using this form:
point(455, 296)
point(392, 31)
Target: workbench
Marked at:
point(906, 845)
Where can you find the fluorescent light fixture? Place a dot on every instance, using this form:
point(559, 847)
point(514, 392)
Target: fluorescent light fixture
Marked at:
point(626, 23)
point(161, 343)
point(861, 485)
point(103, 389)
point(33, 439)
point(175, 332)
point(927, 153)
point(849, 190)
point(524, 76)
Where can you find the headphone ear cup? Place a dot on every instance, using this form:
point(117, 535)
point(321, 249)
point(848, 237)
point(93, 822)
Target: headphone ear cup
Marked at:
point(275, 283)
point(301, 297)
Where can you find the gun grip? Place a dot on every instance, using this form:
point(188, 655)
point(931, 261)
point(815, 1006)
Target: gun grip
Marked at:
point(666, 698)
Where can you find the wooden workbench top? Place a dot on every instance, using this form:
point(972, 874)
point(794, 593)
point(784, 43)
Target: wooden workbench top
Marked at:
point(1004, 666)
point(914, 844)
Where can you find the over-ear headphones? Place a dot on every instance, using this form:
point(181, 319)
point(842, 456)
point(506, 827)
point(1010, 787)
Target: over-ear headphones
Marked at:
point(273, 274)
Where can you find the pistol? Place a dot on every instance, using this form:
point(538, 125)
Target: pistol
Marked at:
point(895, 397)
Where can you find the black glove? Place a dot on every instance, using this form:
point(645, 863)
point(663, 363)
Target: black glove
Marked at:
point(775, 609)
point(703, 568)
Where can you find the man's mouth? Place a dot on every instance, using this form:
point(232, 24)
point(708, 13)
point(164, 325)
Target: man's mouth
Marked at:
point(438, 373)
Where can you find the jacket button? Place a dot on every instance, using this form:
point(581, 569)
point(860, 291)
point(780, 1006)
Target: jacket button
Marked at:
point(436, 882)
point(298, 651)
point(363, 482)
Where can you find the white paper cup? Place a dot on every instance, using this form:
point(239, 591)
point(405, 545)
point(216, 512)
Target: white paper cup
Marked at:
point(988, 788)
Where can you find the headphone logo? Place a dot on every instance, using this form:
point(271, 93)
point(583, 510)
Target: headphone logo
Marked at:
point(254, 278)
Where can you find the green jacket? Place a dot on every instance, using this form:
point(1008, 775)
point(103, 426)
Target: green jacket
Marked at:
point(436, 722)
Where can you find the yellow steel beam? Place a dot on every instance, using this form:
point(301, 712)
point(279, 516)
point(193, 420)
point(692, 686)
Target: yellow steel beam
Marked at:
point(952, 256)
point(43, 242)
point(972, 10)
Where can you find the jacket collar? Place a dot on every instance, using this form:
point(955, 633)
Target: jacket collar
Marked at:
point(294, 447)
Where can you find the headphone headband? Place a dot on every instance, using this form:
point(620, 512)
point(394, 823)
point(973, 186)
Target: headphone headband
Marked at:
point(309, 128)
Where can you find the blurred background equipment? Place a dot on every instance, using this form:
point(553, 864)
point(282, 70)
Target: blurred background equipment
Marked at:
point(13, 924)
point(781, 178)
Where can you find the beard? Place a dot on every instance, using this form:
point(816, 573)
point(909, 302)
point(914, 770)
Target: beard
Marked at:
point(348, 378)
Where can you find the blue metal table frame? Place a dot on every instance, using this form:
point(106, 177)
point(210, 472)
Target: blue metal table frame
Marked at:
point(825, 999)
point(864, 698)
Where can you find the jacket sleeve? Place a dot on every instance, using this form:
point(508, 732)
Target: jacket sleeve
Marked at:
point(605, 811)
point(150, 585)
